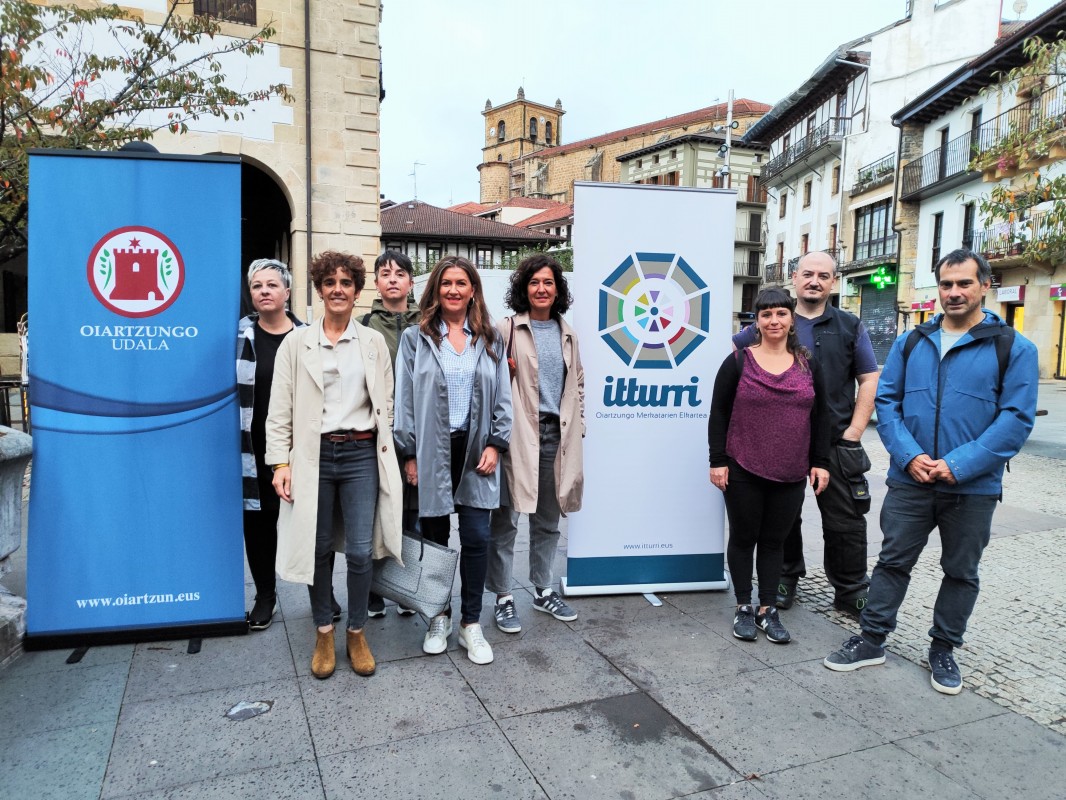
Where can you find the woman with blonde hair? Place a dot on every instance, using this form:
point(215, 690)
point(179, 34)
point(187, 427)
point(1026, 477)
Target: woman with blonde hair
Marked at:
point(453, 419)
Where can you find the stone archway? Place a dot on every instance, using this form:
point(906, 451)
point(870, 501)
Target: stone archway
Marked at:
point(266, 222)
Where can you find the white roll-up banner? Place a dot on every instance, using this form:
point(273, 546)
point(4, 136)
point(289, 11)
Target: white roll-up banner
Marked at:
point(653, 285)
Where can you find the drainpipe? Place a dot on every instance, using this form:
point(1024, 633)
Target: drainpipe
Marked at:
point(307, 148)
point(896, 192)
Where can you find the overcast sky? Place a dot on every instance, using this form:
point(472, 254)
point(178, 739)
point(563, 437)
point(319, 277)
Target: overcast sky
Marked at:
point(613, 63)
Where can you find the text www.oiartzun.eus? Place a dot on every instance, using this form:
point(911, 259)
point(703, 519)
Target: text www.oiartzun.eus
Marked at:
point(138, 600)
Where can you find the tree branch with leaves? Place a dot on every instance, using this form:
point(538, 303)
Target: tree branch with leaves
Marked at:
point(97, 78)
point(1031, 208)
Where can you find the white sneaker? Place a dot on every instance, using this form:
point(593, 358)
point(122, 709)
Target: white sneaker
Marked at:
point(477, 649)
point(436, 641)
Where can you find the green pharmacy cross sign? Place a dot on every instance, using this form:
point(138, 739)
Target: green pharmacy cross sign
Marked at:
point(882, 277)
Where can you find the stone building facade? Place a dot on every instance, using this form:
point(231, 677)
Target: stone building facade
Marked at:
point(535, 169)
point(951, 140)
point(310, 174)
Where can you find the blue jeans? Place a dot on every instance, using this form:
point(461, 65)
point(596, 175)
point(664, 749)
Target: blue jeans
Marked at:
point(908, 516)
point(543, 524)
point(348, 476)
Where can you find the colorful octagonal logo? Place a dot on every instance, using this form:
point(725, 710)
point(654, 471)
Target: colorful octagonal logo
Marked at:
point(654, 310)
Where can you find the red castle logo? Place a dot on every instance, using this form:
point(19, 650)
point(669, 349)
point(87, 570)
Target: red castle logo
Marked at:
point(136, 271)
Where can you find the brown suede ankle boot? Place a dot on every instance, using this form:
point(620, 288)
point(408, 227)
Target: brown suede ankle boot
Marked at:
point(359, 653)
point(324, 660)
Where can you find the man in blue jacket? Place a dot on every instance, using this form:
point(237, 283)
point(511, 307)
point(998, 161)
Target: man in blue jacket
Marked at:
point(952, 407)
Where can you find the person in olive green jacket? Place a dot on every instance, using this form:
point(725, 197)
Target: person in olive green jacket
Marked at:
point(392, 312)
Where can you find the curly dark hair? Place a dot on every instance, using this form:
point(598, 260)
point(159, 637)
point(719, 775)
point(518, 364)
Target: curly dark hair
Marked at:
point(326, 263)
point(517, 297)
point(477, 314)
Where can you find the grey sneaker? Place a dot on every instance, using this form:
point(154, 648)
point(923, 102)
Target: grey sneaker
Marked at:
point(855, 653)
point(744, 624)
point(770, 624)
point(506, 617)
point(552, 603)
point(946, 677)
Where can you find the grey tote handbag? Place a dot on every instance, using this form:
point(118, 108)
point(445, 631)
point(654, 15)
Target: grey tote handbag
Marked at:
point(424, 582)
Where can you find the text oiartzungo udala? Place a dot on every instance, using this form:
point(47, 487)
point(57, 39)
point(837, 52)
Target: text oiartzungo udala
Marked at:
point(140, 337)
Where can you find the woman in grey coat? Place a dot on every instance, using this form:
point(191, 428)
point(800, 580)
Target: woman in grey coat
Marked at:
point(453, 419)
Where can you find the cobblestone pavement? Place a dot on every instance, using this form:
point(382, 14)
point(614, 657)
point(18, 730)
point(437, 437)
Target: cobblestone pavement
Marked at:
point(1010, 656)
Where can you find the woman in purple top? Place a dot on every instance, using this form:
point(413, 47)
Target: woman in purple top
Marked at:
point(768, 434)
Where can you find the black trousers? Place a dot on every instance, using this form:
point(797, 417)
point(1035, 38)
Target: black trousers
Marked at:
point(843, 526)
point(760, 513)
point(261, 535)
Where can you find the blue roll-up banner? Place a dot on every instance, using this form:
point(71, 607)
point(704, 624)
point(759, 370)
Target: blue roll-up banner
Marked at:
point(653, 278)
point(135, 506)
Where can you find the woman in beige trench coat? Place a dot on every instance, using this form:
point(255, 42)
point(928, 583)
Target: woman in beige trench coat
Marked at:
point(329, 441)
point(544, 474)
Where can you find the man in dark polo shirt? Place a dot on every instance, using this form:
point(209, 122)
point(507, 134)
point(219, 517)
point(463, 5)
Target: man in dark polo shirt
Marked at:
point(842, 346)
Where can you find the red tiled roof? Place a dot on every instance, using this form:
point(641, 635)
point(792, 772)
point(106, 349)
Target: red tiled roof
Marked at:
point(741, 107)
point(415, 218)
point(564, 211)
point(467, 208)
point(522, 202)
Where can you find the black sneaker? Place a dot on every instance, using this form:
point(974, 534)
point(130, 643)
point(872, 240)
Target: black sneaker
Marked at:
point(946, 677)
point(854, 654)
point(786, 595)
point(404, 611)
point(852, 606)
point(744, 624)
point(262, 613)
point(376, 606)
point(770, 624)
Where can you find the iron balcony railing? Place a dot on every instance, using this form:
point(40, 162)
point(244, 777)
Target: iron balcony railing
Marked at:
point(1011, 238)
point(878, 173)
point(953, 159)
point(239, 11)
point(833, 129)
point(742, 269)
point(775, 273)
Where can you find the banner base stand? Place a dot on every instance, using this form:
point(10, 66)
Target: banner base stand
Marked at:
point(59, 641)
point(570, 590)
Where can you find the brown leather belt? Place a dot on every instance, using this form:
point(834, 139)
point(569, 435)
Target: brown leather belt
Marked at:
point(348, 436)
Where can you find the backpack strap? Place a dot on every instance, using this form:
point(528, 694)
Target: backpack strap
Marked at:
point(1004, 343)
point(365, 320)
